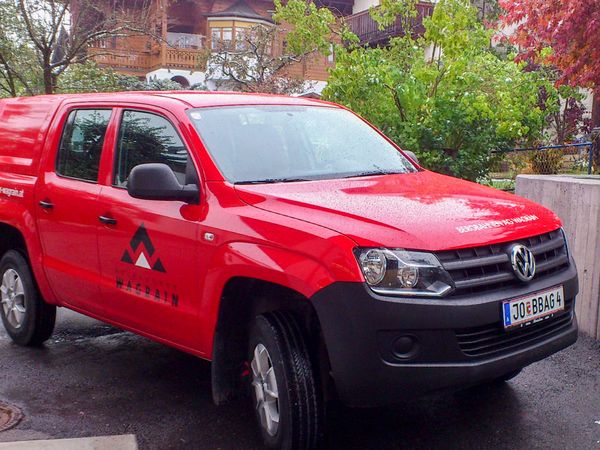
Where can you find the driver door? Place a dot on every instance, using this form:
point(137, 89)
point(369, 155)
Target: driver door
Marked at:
point(148, 249)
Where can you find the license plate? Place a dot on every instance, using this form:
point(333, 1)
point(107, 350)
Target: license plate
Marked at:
point(533, 308)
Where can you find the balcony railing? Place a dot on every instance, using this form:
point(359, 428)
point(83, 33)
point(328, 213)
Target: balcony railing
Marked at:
point(124, 60)
point(367, 29)
point(186, 59)
point(132, 61)
point(141, 62)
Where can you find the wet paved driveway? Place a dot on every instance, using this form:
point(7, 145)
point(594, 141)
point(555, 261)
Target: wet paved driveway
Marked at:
point(92, 379)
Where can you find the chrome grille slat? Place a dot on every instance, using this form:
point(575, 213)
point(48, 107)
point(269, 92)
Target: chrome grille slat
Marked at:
point(488, 268)
point(547, 246)
point(481, 281)
point(542, 267)
point(475, 262)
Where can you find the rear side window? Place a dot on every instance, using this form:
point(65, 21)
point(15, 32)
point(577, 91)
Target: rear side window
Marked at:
point(81, 144)
point(149, 138)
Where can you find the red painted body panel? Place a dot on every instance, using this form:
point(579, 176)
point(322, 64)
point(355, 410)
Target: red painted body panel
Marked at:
point(23, 126)
point(300, 235)
point(422, 210)
point(258, 244)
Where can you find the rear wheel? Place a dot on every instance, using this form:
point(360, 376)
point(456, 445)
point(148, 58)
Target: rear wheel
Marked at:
point(27, 318)
point(285, 390)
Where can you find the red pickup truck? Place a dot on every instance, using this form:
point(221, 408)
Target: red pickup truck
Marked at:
point(284, 239)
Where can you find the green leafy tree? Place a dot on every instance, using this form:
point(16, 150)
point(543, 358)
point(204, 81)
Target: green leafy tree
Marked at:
point(445, 95)
point(89, 77)
point(308, 28)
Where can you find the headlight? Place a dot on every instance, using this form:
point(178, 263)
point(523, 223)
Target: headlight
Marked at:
point(403, 272)
point(373, 264)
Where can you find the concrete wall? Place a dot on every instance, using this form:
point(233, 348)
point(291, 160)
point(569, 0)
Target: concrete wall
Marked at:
point(576, 200)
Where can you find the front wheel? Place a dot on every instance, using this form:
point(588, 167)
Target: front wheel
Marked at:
point(285, 389)
point(28, 319)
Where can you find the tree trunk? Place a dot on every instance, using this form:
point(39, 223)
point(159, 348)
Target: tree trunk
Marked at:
point(48, 81)
point(596, 109)
point(49, 78)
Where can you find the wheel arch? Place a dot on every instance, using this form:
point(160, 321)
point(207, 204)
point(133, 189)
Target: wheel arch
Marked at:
point(14, 238)
point(244, 298)
point(11, 238)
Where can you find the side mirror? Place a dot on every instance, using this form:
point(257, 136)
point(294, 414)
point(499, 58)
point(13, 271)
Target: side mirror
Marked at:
point(158, 182)
point(412, 156)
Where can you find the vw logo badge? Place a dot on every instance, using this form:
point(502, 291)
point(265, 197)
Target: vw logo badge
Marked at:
point(523, 262)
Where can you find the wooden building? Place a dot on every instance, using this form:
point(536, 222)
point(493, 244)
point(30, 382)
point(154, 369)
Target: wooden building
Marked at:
point(185, 31)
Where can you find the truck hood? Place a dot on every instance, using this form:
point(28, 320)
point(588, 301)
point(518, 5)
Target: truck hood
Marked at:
point(421, 210)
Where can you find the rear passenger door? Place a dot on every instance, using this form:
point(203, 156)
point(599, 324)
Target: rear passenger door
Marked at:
point(148, 254)
point(67, 207)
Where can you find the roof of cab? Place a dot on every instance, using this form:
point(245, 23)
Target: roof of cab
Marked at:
point(193, 99)
point(204, 99)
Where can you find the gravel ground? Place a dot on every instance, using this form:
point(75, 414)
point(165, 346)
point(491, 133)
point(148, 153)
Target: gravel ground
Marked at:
point(93, 380)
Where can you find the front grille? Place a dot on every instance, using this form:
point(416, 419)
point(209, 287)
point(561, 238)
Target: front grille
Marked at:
point(491, 340)
point(486, 268)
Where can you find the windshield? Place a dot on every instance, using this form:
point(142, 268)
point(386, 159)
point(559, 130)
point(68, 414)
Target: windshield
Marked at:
point(269, 144)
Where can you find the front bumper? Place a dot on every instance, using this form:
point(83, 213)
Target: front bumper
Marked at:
point(383, 350)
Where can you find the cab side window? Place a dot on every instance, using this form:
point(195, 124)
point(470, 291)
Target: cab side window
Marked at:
point(149, 138)
point(81, 144)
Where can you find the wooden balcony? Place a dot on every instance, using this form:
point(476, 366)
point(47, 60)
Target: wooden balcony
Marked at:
point(369, 33)
point(139, 63)
point(187, 59)
point(129, 62)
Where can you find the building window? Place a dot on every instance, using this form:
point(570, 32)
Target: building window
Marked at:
point(215, 38)
point(227, 37)
point(235, 36)
point(240, 39)
point(221, 38)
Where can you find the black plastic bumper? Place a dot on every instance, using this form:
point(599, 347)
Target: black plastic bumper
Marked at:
point(383, 350)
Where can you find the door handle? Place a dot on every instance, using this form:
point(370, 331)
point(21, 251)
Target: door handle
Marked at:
point(107, 220)
point(46, 204)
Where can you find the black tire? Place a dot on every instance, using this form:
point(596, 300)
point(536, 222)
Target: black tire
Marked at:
point(300, 403)
point(37, 323)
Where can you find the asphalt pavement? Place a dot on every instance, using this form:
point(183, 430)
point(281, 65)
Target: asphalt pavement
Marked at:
point(93, 380)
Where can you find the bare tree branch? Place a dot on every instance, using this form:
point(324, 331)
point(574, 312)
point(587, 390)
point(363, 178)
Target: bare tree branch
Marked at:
point(57, 35)
point(254, 65)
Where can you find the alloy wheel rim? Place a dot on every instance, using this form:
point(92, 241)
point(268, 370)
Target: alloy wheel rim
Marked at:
point(12, 295)
point(266, 394)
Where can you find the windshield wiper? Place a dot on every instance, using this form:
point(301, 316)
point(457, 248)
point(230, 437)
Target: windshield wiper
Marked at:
point(272, 180)
point(372, 172)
